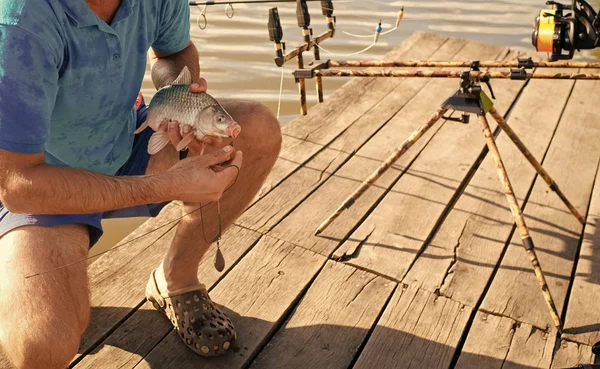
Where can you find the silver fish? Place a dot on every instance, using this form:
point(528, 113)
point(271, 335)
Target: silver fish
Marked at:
point(200, 111)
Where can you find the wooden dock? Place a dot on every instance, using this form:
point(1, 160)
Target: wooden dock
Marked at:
point(425, 271)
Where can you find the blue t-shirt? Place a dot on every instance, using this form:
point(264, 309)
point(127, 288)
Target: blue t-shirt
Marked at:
point(69, 81)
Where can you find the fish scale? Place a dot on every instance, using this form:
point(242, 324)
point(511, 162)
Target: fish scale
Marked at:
point(177, 103)
point(198, 111)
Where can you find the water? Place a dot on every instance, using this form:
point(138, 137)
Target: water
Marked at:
point(237, 56)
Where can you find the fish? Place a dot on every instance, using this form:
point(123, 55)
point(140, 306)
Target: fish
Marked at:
point(200, 111)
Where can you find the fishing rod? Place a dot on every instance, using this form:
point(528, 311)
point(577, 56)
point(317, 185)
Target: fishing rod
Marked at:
point(208, 3)
point(304, 19)
point(475, 75)
point(527, 63)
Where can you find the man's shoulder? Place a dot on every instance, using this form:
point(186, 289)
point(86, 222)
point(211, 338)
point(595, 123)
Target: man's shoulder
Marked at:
point(23, 12)
point(35, 17)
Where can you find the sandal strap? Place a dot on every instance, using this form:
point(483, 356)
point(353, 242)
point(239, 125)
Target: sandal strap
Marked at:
point(160, 297)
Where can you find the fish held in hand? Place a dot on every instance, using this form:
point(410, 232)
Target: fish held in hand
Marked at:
point(200, 111)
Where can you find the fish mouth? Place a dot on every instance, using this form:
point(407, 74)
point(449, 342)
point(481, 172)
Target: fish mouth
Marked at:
point(233, 130)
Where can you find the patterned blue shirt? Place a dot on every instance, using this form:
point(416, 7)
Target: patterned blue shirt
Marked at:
point(69, 81)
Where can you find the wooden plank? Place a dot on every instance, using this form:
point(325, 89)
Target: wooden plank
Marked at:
point(325, 121)
point(417, 329)
point(487, 346)
point(265, 214)
point(299, 227)
point(573, 160)
point(293, 153)
point(118, 279)
point(397, 229)
point(572, 354)
point(260, 290)
point(106, 289)
point(501, 342)
point(290, 193)
point(126, 347)
point(582, 323)
point(463, 254)
point(331, 321)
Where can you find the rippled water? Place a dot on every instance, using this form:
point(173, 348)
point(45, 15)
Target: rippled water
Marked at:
point(237, 56)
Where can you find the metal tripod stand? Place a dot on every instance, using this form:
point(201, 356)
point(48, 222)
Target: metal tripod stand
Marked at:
point(471, 99)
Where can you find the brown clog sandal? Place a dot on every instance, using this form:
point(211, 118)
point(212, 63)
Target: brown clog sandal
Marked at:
point(199, 322)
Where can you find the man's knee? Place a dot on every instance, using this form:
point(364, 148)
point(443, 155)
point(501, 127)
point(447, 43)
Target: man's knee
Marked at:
point(266, 124)
point(42, 318)
point(260, 127)
point(50, 347)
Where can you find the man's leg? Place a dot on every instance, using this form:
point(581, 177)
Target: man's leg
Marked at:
point(260, 141)
point(42, 318)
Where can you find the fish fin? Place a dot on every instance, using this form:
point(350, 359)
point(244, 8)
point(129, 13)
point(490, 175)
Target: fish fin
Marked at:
point(185, 141)
point(157, 142)
point(142, 127)
point(184, 78)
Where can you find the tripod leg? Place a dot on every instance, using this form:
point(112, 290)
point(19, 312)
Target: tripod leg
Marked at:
point(414, 137)
point(538, 167)
point(519, 220)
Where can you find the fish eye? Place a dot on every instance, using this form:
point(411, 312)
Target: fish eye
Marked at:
point(221, 119)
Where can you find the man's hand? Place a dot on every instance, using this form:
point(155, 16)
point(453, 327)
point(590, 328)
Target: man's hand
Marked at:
point(202, 178)
point(196, 147)
point(201, 86)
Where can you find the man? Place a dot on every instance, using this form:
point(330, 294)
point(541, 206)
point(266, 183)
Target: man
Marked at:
point(70, 72)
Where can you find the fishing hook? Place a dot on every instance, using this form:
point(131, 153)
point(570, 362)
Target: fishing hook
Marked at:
point(203, 15)
point(229, 10)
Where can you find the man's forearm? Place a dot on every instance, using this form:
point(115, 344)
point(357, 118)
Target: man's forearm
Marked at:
point(165, 69)
point(46, 189)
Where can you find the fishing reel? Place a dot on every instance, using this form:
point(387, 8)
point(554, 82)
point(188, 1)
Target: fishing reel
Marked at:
point(560, 32)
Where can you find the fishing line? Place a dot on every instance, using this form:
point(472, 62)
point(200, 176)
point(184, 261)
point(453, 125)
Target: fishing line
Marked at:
point(280, 94)
point(141, 236)
point(353, 54)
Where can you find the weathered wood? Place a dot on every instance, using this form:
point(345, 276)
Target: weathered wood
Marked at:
point(113, 270)
point(345, 105)
point(400, 225)
point(501, 342)
point(291, 192)
point(573, 157)
point(571, 354)
point(268, 212)
point(299, 227)
point(294, 152)
point(260, 290)
point(133, 340)
point(487, 346)
point(118, 279)
point(297, 147)
point(417, 329)
point(582, 323)
point(530, 348)
point(331, 321)
point(464, 252)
